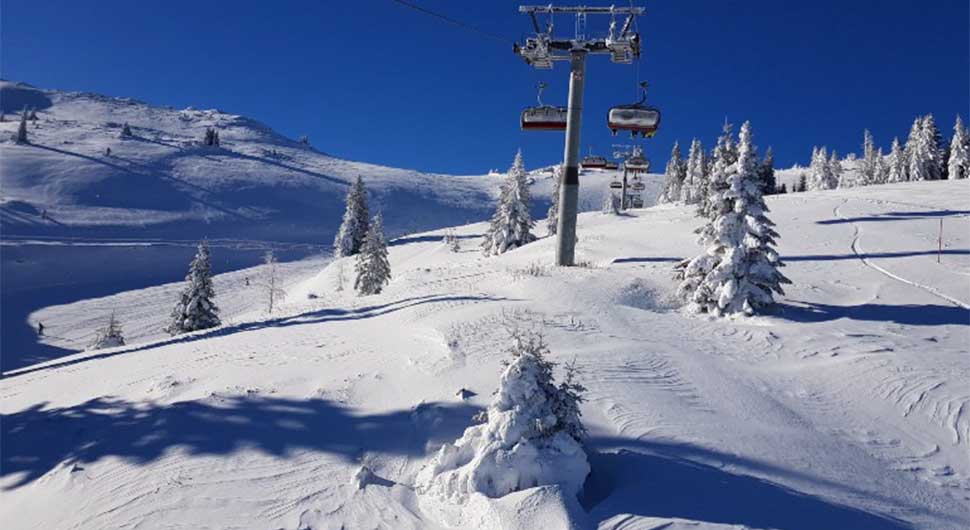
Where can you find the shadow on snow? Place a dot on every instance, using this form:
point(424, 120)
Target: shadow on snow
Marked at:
point(659, 479)
point(897, 216)
point(910, 314)
point(38, 440)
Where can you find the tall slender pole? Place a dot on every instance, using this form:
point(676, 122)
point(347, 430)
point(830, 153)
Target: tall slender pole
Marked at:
point(569, 187)
point(623, 192)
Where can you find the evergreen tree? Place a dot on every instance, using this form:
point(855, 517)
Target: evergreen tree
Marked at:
point(933, 140)
point(109, 336)
point(33, 115)
point(673, 177)
point(766, 173)
point(896, 166)
point(739, 271)
point(821, 176)
point(802, 184)
point(881, 169)
point(958, 165)
point(552, 216)
point(21, 137)
point(511, 224)
point(694, 182)
point(196, 309)
point(869, 160)
point(782, 189)
point(723, 158)
point(353, 229)
point(918, 156)
point(126, 131)
point(835, 172)
point(372, 267)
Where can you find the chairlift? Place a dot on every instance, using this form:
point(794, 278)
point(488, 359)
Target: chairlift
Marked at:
point(543, 117)
point(611, 165)
point(637, 163)
point(593, 162)
point(638, 118)
point(616, 184)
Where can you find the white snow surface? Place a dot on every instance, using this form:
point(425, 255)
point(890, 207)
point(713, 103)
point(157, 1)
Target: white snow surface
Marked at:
point(846, 408)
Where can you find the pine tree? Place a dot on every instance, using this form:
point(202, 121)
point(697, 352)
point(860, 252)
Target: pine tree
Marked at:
point(373, 268)
point(917, 153)
point(881, 169)
point(934, 148)
point(552, 216)
point(126, 131)
point(109, 336)
point(834, 169)
point(196, 309)
point(673, 177)
point(723, 158)
point(896, 165)
point(33, 115)
point(353, 229)
point(738, 273)
point(766, 173)
point(802, 184)
point(821, 176)
point(958, 166)
point(869, 160)
point(694, 181)
point(21, 137)
point(511, 224)
point(272, 283)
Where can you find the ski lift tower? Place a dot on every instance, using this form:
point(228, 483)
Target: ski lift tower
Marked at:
point(622, 44)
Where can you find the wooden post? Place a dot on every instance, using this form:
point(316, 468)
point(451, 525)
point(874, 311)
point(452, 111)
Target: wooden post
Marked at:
point(939, 253)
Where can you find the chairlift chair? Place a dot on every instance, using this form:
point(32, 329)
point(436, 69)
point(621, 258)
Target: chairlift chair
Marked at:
point(543, 117)
point(593, 162)
point(638, 118)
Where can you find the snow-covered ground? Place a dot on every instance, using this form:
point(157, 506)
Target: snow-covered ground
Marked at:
point(848, 408)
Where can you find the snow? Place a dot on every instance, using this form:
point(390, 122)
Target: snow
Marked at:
point(845, 407)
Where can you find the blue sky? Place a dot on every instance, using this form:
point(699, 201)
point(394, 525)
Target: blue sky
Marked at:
point(372, 80)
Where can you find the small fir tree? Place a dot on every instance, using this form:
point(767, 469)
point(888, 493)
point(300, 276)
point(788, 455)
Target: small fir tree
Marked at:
point(272, 283)
point(674, 176)
point(511, 224)
point(836, 174)
point(21, 136)
point(958, 165)
point(353, 229)
point(196, 308)
point(552, 216)
point(739, 271)
point(109, 336)
point(694, 182)
point(934, 148)
point(917, 153)
point(896, 166)
point(802, 184)
point(373, 268)
point(870, 161)
point(126, 131)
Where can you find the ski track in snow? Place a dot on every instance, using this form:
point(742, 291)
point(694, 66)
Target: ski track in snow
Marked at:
point(859, 252)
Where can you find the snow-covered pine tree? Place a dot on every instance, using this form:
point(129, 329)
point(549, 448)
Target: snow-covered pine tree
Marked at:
point(958, 166)
point(820, 172)
point(933, 140)
point(869, 160)
point(837, 175)
point(917, 153)
point(126, 131)
point(511, 224)
point(196, 309)
point(802, 184)
point(738, 273)
point(723, 157)
point(694, 181)
point(33, 115)
point(552, 216)
point(673, 177)
point(766, 173)
point(21, 137)
point(353, 229)
point(896, 166)
point(272, 283)
point(109, 336)
point(373, 268)
point(881, 169)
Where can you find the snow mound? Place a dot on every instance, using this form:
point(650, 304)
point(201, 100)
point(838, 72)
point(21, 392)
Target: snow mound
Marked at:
point(526, 442)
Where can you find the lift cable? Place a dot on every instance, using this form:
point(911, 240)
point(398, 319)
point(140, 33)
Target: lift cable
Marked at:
point(455, 22)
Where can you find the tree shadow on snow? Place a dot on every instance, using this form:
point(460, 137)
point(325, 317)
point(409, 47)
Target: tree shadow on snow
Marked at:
point(39, 439)
point(661, 479)
point(909, 314)
point(311, 317)
point(897, 216)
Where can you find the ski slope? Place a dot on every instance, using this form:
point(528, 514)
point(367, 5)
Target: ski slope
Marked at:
point(130, 219)
point(847, 408)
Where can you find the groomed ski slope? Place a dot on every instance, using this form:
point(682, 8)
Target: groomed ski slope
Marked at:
point(846, 409)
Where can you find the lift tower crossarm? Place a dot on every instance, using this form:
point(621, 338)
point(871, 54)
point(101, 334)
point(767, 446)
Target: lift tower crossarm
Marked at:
point(582, 9)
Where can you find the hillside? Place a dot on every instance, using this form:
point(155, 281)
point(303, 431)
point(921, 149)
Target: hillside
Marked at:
point(130, 219)
point(845, 408)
